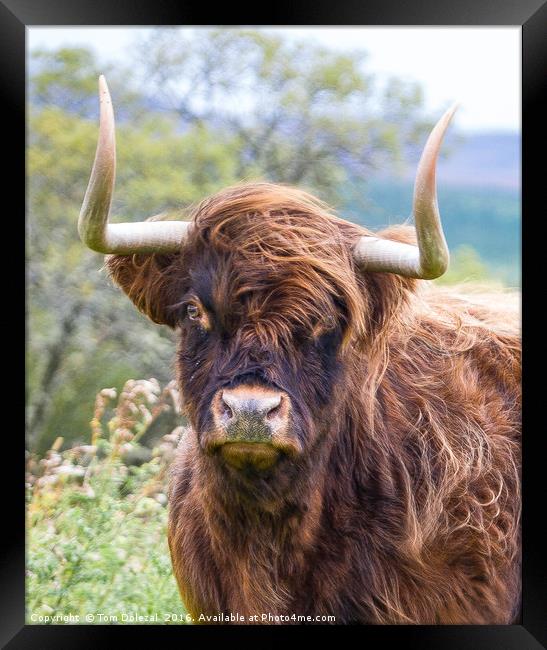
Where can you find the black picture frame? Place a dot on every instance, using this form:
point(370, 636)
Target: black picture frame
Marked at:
point(531, 15)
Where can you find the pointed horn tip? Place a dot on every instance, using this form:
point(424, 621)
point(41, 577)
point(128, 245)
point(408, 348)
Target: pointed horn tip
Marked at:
point(453, 108)
point(438, 132)
point(103, 86)
point(449, 114)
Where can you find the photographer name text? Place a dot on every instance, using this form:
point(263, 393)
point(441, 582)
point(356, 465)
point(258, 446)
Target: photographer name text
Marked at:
point(103, 618)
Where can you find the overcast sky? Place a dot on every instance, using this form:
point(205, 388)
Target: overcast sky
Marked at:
point(476, 66)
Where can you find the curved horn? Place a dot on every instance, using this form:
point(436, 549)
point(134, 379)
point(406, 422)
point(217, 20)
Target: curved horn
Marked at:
point(430, 258)
point(93, 226)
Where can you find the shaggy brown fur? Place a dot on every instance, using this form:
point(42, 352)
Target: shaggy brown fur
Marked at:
point(405, 505)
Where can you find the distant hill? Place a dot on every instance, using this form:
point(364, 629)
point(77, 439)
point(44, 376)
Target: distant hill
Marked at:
point(480, 160)
point(488, 159)
point(479, 198)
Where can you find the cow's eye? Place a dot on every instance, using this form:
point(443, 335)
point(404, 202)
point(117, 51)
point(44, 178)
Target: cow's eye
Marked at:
point(193, 311)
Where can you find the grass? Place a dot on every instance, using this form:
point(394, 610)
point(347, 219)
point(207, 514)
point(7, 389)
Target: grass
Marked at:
point(97, 525)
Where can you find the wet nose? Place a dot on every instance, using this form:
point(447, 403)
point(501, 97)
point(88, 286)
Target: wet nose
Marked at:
point(254, 406)
point(252, 414)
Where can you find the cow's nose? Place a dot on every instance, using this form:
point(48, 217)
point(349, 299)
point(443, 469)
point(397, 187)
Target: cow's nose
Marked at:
point(249, 405)
point(251, 426)
point(251, 413)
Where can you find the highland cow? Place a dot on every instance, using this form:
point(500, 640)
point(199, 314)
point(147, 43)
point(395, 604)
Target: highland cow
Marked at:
point(355, 431)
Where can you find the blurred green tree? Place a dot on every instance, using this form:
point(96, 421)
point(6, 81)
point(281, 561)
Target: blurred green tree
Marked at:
point(67, 78)
point(302, 114)
point(465, 266)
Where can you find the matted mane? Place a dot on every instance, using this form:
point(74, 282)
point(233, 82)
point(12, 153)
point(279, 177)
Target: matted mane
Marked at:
point(270, 230)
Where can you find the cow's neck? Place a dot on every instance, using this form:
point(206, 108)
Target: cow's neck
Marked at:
point(260, 548)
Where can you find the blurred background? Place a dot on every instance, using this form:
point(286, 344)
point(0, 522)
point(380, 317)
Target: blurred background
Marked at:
point(342, 112)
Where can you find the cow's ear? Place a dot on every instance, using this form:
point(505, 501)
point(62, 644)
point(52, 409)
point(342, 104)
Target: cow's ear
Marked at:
point(388, 293)
point(150, 281)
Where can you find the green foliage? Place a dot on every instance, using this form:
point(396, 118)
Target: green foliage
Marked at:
point(67, 79)
point(50, 73)
point(302, 114)
point(465, 266)
point(97, 537)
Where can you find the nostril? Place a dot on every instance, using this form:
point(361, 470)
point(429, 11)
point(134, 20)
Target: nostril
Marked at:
point(275, 410)
point(226, 410)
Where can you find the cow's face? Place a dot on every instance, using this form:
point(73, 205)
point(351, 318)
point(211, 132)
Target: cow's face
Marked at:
point(273, 316)
point(264, 316)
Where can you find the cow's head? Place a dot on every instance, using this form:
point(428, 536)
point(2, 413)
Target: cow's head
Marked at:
point(269, 292)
